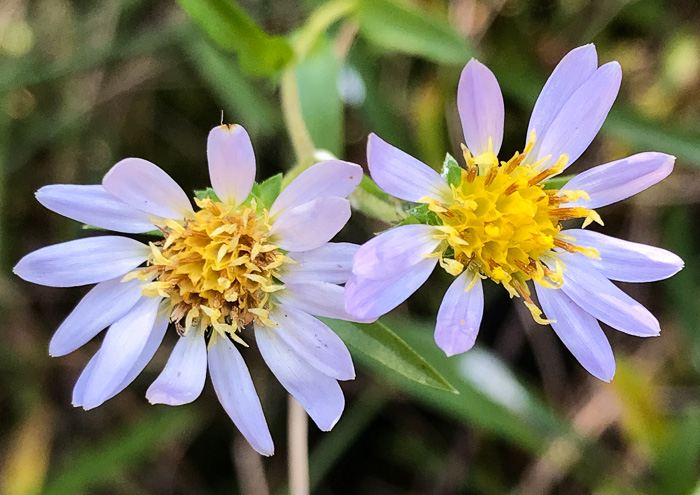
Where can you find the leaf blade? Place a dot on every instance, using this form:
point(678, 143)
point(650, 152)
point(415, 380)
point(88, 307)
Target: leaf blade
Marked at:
point(380, 343)
point(407, 29)
point(234, 31)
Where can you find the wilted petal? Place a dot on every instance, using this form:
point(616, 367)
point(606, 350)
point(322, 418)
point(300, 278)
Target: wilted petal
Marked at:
point(103, 305)
point(121, 348)
point(334, 178)
point(310, 225)
point(401, 175)
point(183, 377)
point(571, 72)
point(235, 390)
point(460, 314)
point(94, 206)
point(367, 298)
point(480, 105)
point(320, 394)
point(601, 298)
point(145, 186)
point(314, 342)
point(618, 180)
point(581, 117)
point(82, 262)
point(231, 163)
point(394, 251)
point(579, 331)
point(626, 261)
point(332, 262)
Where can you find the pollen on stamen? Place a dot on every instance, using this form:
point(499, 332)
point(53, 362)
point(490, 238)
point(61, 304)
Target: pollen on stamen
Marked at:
point(217, 269)
point(503, 223)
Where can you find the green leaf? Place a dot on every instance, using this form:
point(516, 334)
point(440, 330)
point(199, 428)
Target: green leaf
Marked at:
point(233, 89)
point(378, 342)
point(523, 83)
point(105, 462)
point(232, 29)
point(404, 28)
point(451, 171)
point(529, 423)
point(206, 193)
point(267, 191)
point(321, 106)
point(654, 135)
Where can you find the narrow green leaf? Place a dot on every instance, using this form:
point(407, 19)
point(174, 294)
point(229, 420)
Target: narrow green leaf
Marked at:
point(230, 27)
point(321, 106)
point(233, 89)
point(329, 450)
point(102, 463)
point(381, 344)
point(451, 171)
point(401, 27)
point(267, 191)
point(482, 403)
point(677, 460)
point(524, 84)
point(653, 135)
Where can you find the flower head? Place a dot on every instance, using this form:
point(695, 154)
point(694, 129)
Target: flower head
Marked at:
point(234, 266)
point(499, 220)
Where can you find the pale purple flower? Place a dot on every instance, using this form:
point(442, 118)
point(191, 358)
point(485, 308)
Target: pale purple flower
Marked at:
point(500, 222)
point(223, 269)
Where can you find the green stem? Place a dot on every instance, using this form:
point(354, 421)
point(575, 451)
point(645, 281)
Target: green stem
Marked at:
point(303, 41)
point(294, 120)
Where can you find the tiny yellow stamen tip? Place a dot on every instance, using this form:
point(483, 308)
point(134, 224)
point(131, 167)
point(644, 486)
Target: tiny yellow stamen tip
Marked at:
point(537, 314)
point(453, 267)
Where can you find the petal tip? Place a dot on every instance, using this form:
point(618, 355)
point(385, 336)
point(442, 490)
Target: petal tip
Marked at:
point(227, 127)
point(55, 349)
point(606, 375)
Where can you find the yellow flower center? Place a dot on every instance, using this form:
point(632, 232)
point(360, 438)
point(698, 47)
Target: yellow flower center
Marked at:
point(503, 224)
point(217, 269)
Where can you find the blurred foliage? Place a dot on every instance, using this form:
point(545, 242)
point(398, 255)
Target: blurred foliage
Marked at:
point(83, 85)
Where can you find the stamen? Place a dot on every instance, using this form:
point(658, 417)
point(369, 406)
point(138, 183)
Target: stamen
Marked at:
point(503, 235)
point(217, 269)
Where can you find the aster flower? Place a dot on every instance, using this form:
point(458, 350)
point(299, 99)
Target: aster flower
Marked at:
point(498, 220)
point(219, 271)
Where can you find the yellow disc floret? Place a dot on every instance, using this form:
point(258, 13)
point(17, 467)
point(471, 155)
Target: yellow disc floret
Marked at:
point(503, 224)
point(217, 269)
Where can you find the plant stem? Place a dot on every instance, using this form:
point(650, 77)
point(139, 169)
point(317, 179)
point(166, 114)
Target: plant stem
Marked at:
point(297, 425)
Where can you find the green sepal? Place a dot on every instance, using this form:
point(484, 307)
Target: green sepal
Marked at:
point(451, 171)
point(557, 182)
point(267, 191)
point(423, 215)
point(207, 193)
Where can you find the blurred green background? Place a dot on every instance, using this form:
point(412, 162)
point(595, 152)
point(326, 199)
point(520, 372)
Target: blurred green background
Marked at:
point(84, 84)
